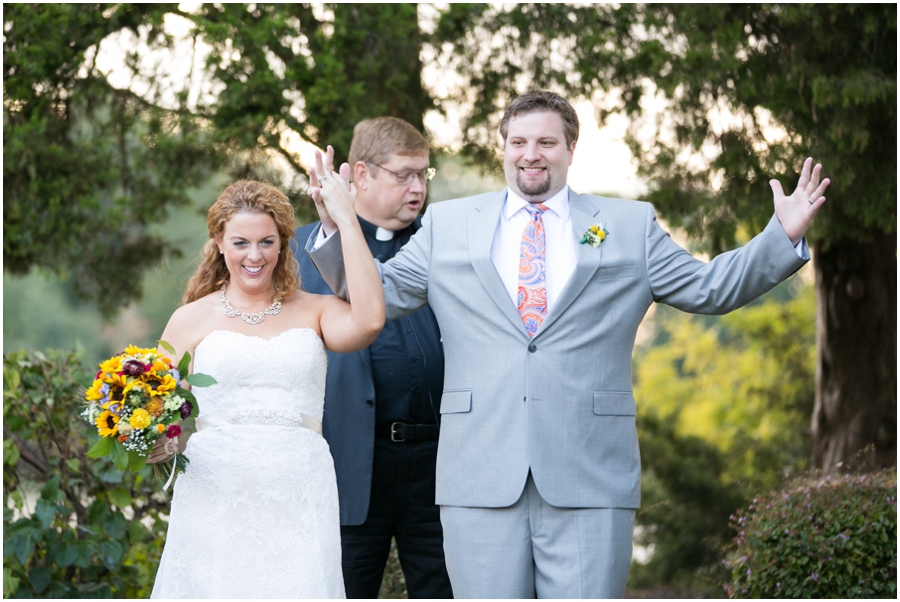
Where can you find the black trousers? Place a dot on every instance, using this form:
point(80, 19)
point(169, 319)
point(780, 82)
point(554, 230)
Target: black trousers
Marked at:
point(401, 507)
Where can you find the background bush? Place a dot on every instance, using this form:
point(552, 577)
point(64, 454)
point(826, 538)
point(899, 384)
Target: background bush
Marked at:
point(827, 537)
point(72, 527)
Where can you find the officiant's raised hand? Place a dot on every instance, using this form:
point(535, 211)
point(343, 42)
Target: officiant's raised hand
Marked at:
point(333, 193)
point(796, 212)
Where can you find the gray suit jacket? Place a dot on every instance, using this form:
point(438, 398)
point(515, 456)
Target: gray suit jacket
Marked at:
point(560, 404)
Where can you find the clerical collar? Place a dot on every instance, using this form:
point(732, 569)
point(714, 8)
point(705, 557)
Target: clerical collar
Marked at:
point(376, 232)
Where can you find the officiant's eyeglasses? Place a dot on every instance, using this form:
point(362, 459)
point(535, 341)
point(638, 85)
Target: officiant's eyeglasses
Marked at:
point(406, 177)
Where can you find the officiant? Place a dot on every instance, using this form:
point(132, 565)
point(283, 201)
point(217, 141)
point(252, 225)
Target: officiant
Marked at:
point(382, 404)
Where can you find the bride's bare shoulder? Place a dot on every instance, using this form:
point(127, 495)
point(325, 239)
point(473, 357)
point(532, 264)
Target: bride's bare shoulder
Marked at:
point(191, 322)
point(305, 309)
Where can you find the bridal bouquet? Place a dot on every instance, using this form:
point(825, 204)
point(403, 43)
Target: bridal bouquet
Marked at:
point(136, 399)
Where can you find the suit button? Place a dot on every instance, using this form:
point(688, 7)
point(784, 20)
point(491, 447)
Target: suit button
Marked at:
point(532, 348)
point(370, 403)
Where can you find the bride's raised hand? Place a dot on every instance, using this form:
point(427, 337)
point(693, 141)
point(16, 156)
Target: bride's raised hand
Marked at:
point(337, 193)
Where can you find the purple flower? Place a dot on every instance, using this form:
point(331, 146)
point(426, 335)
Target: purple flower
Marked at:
point(133, 368)
point(186, 409)
point(174, 374)
point(814, 576)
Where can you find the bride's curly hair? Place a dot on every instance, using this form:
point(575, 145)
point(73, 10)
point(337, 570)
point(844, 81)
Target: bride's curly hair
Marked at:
point(251, 197)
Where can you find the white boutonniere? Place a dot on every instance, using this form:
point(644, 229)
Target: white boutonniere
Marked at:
point(595, 235)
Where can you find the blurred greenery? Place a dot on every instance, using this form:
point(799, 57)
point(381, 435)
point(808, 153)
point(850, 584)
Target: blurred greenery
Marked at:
point(723, 413)
point(41, 310)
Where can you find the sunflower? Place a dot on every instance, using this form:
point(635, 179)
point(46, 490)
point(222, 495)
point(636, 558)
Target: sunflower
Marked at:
point(117, 384)
point(137, 352)
point(111, 366)
point(107, 424)
point(157, 384)
point(94, 393)
point(140, 419)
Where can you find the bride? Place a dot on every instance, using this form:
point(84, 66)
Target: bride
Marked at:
point(256, 512)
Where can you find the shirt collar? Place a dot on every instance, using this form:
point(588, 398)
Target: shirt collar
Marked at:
point(558, 203)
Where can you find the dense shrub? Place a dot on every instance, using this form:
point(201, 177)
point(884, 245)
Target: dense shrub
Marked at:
point(826, 537)
point(72, 527)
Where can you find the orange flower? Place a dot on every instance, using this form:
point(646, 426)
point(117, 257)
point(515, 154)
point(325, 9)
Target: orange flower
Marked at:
point(122, 438)
point(155, 407)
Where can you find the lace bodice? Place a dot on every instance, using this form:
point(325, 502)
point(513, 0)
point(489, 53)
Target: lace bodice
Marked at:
point(289, 380)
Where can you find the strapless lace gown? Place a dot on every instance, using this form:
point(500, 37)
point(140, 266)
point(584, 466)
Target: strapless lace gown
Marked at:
point(255, 515)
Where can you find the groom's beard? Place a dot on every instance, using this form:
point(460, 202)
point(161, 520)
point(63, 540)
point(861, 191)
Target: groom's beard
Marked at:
point(533, 189)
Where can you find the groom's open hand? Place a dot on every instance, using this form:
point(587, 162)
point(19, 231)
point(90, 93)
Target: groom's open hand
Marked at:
point(796, 212)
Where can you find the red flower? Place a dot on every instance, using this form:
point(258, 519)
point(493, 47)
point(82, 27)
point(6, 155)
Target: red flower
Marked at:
point(186, 408)
point(133, 368)
point(174, 431)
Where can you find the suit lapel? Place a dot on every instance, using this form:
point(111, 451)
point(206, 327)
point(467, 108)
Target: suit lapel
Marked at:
point(585, 212)
point(482, 226)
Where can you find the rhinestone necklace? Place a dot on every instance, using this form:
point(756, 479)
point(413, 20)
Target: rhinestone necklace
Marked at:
point(249, 318)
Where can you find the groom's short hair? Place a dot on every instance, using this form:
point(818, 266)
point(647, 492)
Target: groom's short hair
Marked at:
point(543, 100)
point(377, 140)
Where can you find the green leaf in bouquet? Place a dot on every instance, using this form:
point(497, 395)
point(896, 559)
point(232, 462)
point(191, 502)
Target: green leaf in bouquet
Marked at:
point(119, 455)
point(136, 461)
point(166, 346)
point(200, 380)
point(184, 364)
point(101, 448)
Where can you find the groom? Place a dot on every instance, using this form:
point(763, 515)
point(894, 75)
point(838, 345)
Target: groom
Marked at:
point(538, 469)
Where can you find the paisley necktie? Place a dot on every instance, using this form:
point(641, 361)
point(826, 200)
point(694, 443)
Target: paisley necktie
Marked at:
point(532, 294)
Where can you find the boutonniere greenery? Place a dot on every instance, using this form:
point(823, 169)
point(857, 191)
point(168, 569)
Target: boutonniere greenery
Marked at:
point(595, 235)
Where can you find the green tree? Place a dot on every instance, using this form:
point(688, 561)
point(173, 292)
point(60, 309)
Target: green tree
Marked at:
point(87, 168)
point(793, 81)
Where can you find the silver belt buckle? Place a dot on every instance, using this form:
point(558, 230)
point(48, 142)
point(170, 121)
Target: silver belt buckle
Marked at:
point(394, 433)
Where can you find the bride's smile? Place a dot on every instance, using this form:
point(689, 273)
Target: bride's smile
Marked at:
point(250, 245)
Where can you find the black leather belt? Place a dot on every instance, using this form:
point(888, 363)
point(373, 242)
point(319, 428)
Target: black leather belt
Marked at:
point(398, 432)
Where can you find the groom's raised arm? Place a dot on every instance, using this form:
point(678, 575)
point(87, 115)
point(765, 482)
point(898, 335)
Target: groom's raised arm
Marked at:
point(404, 277)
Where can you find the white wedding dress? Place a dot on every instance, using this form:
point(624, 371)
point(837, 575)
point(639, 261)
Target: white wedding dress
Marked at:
point(255, 515)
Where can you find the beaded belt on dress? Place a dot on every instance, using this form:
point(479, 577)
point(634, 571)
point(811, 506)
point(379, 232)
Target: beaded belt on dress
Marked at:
point(263, 416)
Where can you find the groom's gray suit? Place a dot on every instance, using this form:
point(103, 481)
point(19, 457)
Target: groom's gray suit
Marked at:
point(559, 405)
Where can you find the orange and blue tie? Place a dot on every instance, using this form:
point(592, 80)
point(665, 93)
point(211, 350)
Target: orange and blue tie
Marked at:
point(532, 294)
